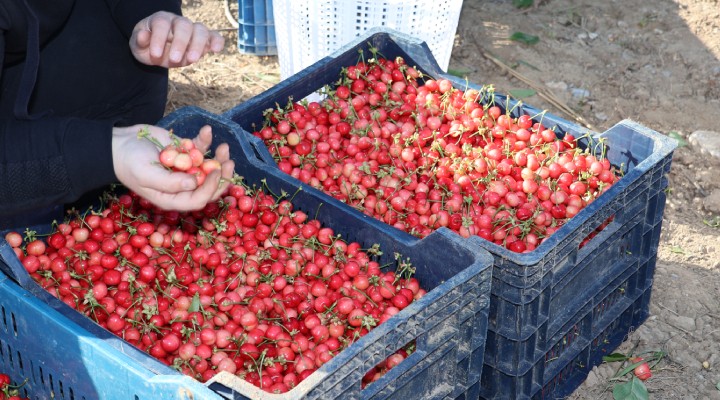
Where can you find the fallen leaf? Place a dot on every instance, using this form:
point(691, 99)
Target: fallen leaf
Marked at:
point(460, 73)
point(631, 390)
point(522, 3)
point(675, 135)
point(521, 93)
point(677, 250)
point(525, 38)
point(615, 357)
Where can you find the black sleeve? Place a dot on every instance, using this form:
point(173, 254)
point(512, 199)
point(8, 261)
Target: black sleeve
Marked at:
point(52, 161)
point(57, 160)
point(127, 13)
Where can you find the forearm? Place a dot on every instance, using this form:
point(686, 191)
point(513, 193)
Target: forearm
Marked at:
point(52, 161)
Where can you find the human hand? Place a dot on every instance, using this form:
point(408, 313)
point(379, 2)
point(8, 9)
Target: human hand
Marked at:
point(169, 40)
point(136, 166)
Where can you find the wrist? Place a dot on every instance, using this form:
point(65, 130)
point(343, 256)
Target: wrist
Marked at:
point(87, 148)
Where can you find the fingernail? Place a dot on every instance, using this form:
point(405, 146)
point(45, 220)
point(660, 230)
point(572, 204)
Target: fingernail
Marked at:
point(188, 184)
point(175, 56)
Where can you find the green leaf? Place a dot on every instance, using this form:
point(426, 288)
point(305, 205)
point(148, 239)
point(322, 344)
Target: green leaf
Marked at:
point(653, 357)
point(273, 78)
point(615, 357)
point(677, 250)
point(521, 93)
point(717, 386)
point(522, 3)
point(525, 38)
point(460, 73)
point(713, 223)
point(675, 135)
point(195, 303)
point(632, 390)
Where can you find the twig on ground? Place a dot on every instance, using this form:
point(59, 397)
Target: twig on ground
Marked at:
point(541, 90)
point(666, 309)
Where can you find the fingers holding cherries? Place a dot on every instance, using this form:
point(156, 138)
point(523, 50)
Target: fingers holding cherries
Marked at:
point(189, 155)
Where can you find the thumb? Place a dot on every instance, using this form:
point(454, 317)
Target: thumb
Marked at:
point(142, 39)
point(188, 183)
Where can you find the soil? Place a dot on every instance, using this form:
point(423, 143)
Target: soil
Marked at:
point(598, 62)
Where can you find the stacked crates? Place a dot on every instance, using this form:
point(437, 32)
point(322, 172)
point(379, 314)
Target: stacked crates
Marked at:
point(555, 311)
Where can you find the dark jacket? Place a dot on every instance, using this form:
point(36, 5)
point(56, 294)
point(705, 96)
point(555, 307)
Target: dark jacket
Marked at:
point(67, 77)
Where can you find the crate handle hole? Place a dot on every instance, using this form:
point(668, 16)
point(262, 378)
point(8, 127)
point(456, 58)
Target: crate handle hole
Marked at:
point(20, 361)
point(14, 324)
point(600, 228)
point(393, 361)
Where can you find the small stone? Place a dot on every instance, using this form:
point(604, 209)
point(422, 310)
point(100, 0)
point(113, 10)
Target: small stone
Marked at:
point(648, 333)
point(642, 94)
point(580, 93)
point(686, 360)
point(601, 116)
point(605, 371)
point(707, 142)
point(592, 379)
point(561, 86)
point(712, 202)
point(564, 21)
point(682, 322)
point(706, 365)
point(592, 35)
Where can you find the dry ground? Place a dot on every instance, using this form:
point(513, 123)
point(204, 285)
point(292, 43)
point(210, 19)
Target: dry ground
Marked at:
point(654, 62)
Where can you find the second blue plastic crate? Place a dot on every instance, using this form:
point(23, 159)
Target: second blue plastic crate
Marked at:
point(562, 290)
point(256, 28)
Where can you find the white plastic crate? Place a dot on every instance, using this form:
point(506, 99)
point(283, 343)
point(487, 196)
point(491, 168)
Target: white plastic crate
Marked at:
point(307, 31)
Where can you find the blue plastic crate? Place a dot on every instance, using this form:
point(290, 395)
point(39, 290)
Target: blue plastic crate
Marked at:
point(58, 359)
point(542, 299)
point(256, 28)
point(448, 325)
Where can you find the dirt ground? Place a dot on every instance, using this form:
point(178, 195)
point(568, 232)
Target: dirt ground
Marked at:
point(657, 63)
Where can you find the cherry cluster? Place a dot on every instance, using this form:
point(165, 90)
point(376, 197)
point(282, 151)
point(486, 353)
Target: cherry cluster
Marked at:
point(420, 154)
point(247, 285)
